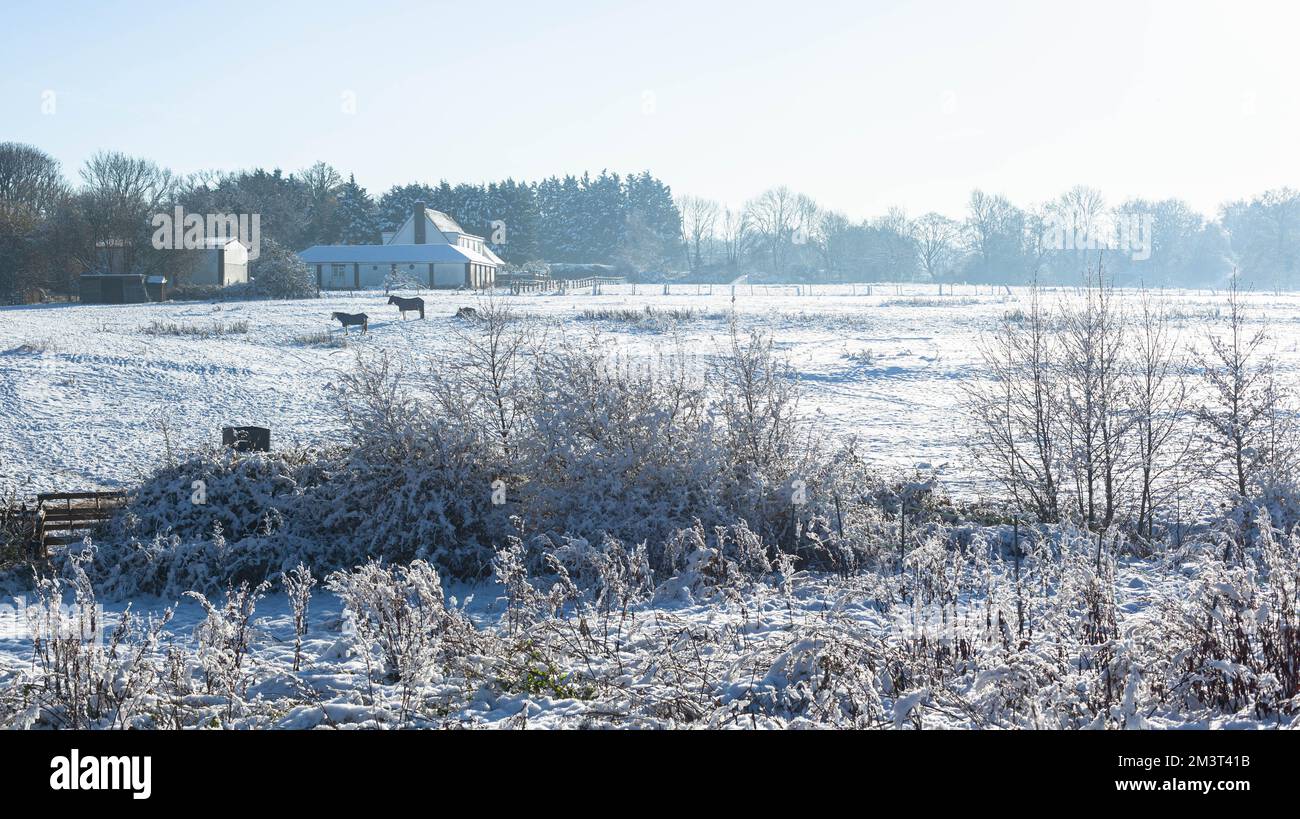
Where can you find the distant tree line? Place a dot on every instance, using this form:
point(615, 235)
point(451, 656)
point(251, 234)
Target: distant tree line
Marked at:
point(51, 229)
point(783, 235)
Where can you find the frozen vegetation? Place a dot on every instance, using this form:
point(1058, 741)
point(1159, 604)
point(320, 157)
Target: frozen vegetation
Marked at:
point(667, 511)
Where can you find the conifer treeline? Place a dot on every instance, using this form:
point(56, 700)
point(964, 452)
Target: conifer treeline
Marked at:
point(629, 221)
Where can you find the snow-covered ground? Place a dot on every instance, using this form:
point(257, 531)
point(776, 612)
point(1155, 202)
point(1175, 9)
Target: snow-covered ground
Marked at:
point(92, 400)
point(767, 659)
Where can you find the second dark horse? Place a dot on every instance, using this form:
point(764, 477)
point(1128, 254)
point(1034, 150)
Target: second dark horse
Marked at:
point(352, 320)
point(404, 305)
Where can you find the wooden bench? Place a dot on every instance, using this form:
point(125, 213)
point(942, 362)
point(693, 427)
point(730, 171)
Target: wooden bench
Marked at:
point(60, 516)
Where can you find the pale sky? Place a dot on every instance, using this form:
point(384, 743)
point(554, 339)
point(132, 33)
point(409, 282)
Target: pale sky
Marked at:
point(862, 105)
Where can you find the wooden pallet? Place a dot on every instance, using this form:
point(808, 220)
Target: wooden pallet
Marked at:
point(65, 517)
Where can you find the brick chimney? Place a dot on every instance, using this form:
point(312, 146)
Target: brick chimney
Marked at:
point(419, 223)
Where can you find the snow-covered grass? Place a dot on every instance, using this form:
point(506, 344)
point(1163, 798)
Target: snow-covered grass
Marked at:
point(86, 392)
point(958, 639)
point(614, 430)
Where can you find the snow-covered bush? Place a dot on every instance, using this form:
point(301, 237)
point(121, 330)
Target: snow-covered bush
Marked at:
point(418, 479)
point(79, 678)
point(298, 584)
point(1232, 643)
point(279, 273)
point(245, 493)
point(825, 675)
point(400, 621)
point(15, 527)
point(224, 638)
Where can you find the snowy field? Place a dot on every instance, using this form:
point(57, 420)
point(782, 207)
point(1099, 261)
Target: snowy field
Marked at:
point(94, 395)
point(91, 399)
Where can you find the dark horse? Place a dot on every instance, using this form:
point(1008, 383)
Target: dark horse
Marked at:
point(407, 304)
point(352, 319)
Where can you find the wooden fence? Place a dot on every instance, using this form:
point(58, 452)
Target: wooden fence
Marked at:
point(520, 284)
point(60, 516)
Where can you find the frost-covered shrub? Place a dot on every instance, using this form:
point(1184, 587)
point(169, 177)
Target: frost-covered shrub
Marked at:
point(618, 447)
point(618, 577)
point(827, 676)
point(224, 638)
point(298, 584)
point(1232, 644)
point(279, 273)
point(80, 678)
point(418, 479)
point(400, 618)
point(724, 563)
point(216, 517)
point(396, 615)
point(525, 603)
point(245, 493)
point(16, 520)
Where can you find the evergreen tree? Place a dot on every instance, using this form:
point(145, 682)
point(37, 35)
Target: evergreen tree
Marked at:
point(652, 225)
point(396, 205)
point(517, 210)
point(358, 215)
point(603, 217)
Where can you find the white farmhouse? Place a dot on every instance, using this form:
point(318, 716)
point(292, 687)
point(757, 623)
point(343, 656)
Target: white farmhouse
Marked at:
point(429, 247)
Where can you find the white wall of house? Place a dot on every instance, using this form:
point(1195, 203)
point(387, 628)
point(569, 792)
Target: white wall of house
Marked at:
point(465, 240)
point(342, 277)
point(405, 235)
point(374, 275)
point(448, 274)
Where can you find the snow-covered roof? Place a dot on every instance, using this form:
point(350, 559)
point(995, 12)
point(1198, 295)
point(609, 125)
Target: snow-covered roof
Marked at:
point(443, 222)
point(391, 254)
point(219, 241)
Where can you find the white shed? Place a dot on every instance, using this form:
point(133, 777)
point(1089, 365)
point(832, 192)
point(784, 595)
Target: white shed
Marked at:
point(222, 262)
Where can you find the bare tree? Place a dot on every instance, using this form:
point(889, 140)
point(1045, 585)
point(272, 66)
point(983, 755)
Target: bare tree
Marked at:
point(1016, 409)
point(32, 192)
point(321, 180)
point(120, 194)
point(995, 235)
point(699, 216)
point(733, 233)
point(1079, 210)
point(937, 239)
point(31, 186)
point(896, 245)
point(491, 368)
point(1158, 397)
point(1242, 396)
point(1092, 378)
point(775, 215)
point(1035, 241)
point(835, 241)
point(322, 185)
